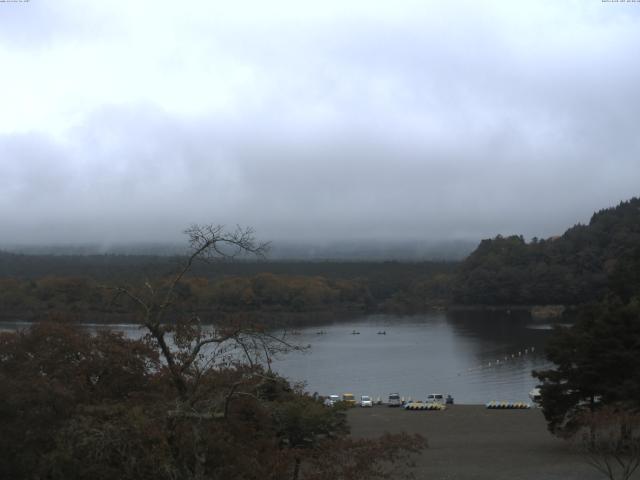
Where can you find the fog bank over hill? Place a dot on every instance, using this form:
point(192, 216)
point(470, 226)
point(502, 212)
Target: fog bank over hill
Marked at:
point(345, 250)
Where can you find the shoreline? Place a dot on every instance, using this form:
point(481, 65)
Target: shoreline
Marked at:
point(297, 319)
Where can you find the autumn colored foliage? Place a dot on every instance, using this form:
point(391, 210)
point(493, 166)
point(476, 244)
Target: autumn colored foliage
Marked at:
point(75, 405)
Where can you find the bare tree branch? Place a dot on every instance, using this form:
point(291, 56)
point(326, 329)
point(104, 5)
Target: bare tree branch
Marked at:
point(189, 341)
point(610, 441)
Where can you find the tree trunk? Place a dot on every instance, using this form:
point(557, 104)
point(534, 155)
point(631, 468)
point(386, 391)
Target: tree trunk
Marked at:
point(296, 469)
point(200, 453)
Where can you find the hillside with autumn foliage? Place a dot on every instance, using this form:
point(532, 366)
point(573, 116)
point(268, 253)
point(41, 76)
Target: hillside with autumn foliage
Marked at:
point(576, 267)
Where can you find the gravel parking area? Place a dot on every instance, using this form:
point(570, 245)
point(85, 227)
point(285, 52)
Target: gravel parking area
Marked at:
point(472, 442)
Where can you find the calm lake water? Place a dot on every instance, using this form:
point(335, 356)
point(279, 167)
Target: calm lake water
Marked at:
point(476, 357)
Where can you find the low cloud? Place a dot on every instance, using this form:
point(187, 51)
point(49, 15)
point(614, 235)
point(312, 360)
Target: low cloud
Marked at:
point(326, 124)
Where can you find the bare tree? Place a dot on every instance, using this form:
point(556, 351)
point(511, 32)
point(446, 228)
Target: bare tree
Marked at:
point(610, 441)
point(191, 351)
point(182, 341)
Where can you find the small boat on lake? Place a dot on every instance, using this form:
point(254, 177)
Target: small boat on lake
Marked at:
point(355, 333)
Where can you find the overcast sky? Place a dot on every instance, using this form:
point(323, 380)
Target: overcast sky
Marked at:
point(128, 121)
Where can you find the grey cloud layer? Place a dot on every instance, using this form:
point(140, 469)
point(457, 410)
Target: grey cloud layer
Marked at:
point(446, 124)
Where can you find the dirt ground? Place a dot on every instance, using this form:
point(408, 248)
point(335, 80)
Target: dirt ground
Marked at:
point(471, 442)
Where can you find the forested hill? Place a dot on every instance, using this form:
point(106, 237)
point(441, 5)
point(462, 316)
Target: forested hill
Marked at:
point(579, 266)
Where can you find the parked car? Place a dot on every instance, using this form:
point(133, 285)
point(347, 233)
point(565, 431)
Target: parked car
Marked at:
point(394, 400)
point(535, 396)
point(349, 399)
point(435, 398)
point(331, 400)
point(366, 401)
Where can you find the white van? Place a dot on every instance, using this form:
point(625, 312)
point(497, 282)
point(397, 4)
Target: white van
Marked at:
point(435, 398)
point(394, 400)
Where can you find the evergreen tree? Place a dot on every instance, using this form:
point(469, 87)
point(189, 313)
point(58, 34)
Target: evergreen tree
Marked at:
point(597, 363)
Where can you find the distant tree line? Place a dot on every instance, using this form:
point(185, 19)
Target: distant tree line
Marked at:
point(265, 291)
point(76, 285)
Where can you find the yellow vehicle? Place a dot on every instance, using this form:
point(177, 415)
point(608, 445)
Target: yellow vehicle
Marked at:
point(349, 399)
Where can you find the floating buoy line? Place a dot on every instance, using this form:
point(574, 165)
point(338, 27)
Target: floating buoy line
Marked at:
point(500, 361)
point(507, 405)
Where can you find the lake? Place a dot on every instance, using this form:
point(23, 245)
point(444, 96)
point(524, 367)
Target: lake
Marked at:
point(475, 356)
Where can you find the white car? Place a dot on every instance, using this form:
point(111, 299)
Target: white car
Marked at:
point(535, 396)
point(331, 400)
point(435, 398)
point(366, 401)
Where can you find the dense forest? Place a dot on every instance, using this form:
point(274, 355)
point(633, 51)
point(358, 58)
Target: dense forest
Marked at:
point(571, 269)
point(581, 265)
point(31, 285)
